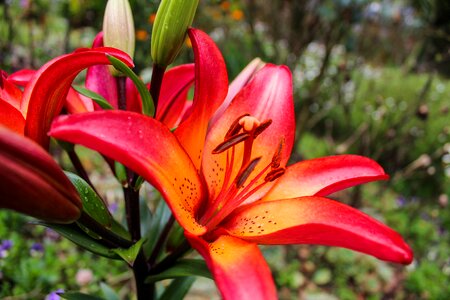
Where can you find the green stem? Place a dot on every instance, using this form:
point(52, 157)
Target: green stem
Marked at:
point(155, 83)
point(121, 88)
point(132, 211)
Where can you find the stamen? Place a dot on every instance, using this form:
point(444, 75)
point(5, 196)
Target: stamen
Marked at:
point(276, 159)
point(242, 177)
point(235, 127)
point(274, 174)
point(234, 140)
point(263, 126)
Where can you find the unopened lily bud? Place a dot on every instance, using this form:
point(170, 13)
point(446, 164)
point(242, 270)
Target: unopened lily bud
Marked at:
point(173, 19)
point(118, 26)
point(32, 183)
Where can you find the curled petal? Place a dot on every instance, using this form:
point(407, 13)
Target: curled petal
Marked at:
point(211, 86)
point(9, 92)
point(11, 117)
point(21, 77)
point(317, 220)
point(32, 183)
point(44, 96)
point(147, 147)
point(324, 176)
point(238, 267)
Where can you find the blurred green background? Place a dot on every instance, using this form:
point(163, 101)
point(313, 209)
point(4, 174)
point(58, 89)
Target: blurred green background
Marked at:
point(370, 77)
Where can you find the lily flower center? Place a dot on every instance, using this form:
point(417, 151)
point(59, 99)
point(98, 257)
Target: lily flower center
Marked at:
point(238, 188)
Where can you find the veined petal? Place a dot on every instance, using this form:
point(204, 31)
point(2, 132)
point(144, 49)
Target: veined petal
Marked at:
point(32, 183)
point(211, 87)
point(147, 147)
point(174, 89)
point(238, 267)
point(317, 220)
point(267, 96)
point(44, 96)
point(11, 117)
point(238, 83)
point(323, 176)
point(9, 92)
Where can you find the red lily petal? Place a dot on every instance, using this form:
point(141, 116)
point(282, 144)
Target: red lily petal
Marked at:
point(174, 89)
point(134, 101)
point(317, 220)
point(21, 77)
point(11, 117)
point(9, 92)
point(238, 267)
point(144, 145)
point(238, 83)
point(76, 103)
point(267, 96)
point(44, 96)
point(211, 87)
point(324, 176)
point(32, 183)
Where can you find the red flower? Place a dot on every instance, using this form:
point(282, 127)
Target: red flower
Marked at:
point(224, 174)
point(32, 183)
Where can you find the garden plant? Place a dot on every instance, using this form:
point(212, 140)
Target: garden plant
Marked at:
point(204, 164)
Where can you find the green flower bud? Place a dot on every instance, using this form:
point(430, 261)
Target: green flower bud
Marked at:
point(118, 26)
point(169, 30)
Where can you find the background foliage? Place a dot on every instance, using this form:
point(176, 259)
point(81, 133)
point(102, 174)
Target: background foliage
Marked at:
point(371, 77)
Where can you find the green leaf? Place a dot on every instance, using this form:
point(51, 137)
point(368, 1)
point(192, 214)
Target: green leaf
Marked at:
point(139, 183)
point(178, 288)
point(160, 218)
point(130, 254)
point(73, 233)
point(92, 204)
point(97, 98)
point(118, 229)
point(148, 107)
point(182, 268)
point(79, 296)
point(108, 292)
point(121, 172)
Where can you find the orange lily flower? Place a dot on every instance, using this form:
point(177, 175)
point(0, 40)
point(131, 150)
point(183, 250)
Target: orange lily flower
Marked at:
point(223, 173)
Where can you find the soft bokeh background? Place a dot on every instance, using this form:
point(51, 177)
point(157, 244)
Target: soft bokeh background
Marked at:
point(371, 78)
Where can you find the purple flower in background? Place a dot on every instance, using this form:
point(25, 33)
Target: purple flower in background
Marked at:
point(36, 248)
point(401, 201)
point(113, 207)
point(54, 295)
point(6, 245)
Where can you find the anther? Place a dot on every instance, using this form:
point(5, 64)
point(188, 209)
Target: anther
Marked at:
point(230, 142)
point(274, 174)
point(263, 126)
point(235, 127)
point(242, 177)
point(276, 159)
